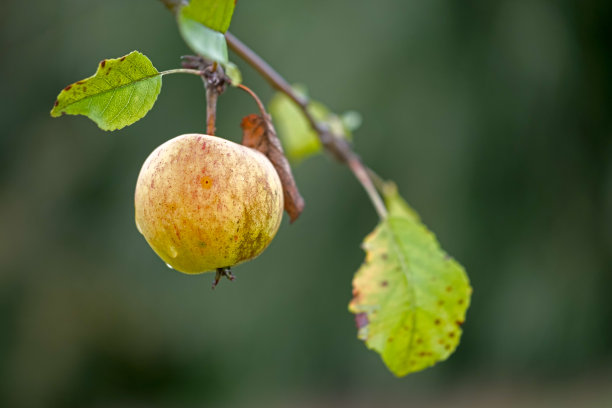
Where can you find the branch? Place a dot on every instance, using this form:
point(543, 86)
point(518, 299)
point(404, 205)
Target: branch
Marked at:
point(335, 145)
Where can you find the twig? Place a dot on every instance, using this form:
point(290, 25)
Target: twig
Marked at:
point(260, 105)
point(337, 146)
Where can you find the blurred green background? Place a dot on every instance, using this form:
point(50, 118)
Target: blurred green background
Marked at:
point(493, 117)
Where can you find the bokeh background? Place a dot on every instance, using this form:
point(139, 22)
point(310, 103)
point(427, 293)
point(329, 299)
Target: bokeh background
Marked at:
point(493, 117)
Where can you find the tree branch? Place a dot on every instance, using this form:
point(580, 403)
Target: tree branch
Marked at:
point(334, 144)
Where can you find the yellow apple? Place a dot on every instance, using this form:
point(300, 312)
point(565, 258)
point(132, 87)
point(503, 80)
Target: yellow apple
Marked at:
point(203, 203)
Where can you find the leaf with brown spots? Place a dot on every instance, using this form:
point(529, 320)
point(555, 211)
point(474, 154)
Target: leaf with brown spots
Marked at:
point(120, 93)
point(401, 298)
point(258, 133)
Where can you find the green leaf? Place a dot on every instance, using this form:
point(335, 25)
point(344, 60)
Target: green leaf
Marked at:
point(234, 74)
point(396, 204)
point(299, 139)
point(351, 120)
point(409, 297)
point(120, 93)
point(204, 41)
point(214, 14)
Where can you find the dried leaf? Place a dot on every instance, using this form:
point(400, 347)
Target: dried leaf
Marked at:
point(258, 133)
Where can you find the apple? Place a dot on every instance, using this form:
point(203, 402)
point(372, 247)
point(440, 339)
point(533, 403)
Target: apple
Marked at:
point(204, 203)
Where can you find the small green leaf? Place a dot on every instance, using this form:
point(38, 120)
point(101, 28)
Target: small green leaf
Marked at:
point(214, 14)
point(234, 74)
point(351, 120)
point(409, 297)
point(299, 139)
point(203, 40)
point(120, 93)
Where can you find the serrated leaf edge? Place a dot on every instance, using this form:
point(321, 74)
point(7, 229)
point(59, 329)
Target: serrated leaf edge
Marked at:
point(57, 107)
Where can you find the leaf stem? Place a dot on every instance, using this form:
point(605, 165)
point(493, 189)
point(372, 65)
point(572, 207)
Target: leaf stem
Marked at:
point(260, 105)
point(361, 172)
point(212, 91)
point(182, 71)
point(335, 145)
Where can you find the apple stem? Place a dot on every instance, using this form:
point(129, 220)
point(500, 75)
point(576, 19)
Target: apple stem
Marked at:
point(215, 81)
point(211, 109)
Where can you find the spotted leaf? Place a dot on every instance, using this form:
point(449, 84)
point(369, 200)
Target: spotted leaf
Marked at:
point(409, 297)
point(120, 93)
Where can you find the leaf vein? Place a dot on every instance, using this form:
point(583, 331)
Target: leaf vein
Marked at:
point(396, 241)
point(110, 121)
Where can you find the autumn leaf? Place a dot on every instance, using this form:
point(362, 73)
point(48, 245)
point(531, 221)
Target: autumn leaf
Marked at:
point(258, 133)
point(409, 297)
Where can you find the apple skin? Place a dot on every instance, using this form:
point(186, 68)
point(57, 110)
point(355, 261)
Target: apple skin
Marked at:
point(203, 202)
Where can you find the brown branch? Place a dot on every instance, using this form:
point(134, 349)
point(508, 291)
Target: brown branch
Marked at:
point(334, 144)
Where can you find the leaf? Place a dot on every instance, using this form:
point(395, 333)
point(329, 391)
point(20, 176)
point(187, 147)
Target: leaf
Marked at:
point(351, 120)
point(258, 133)
point(214, 14)
point(396, 204)
point(233, 72)
point(205, 41)
point(298, 137)
point(409, 297)
point(120, 93)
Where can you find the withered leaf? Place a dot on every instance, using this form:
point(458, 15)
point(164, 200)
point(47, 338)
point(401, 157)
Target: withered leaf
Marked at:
point(258, 133)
